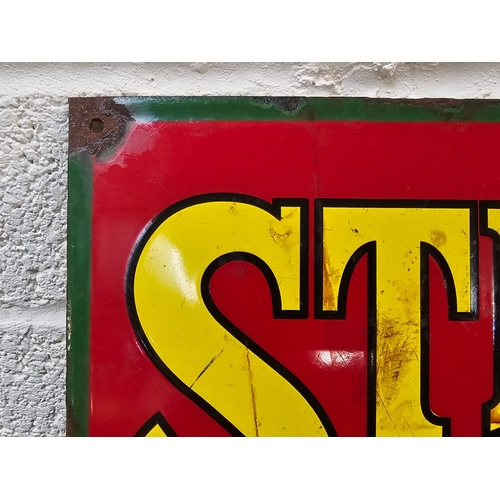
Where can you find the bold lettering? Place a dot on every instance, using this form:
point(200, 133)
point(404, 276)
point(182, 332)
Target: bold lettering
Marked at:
point(490, 226)
point(192, 343)
point(398, 237)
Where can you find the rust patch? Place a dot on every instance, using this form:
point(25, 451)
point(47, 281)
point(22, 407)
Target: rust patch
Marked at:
point(438, 238)
point(387, 327)
point(279, 238)
point(97, 125)
point(288, 105)
point(395, 348)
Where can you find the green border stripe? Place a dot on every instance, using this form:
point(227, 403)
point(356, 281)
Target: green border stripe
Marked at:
point(78, 303)
point(311, 108)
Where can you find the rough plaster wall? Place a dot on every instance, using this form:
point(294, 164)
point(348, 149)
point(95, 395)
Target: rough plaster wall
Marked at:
point(33, 135)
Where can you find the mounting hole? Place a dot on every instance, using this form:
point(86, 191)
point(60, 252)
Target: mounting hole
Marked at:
point(97, 125)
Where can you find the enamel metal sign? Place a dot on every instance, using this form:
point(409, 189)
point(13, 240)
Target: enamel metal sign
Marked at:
point(283, 267)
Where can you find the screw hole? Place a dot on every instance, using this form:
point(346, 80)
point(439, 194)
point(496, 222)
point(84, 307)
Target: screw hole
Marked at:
point(97, 125)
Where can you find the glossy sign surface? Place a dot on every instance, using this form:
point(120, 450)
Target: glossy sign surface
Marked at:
point(283, 267)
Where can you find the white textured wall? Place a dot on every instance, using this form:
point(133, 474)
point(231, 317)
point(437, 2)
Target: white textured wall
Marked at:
point(33, 135)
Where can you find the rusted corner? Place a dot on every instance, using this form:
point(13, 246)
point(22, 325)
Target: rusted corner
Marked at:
point(97, 125)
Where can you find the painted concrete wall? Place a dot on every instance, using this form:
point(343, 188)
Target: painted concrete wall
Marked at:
point(33, 143)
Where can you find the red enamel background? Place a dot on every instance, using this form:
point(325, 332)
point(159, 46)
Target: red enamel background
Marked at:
point(162, 163)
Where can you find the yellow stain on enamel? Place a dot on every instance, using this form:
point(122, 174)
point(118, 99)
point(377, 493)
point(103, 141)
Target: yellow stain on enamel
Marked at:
point(398, 233)
point(494, 224)
point(191, 343)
